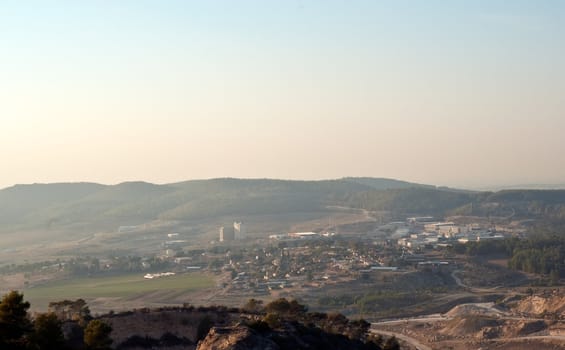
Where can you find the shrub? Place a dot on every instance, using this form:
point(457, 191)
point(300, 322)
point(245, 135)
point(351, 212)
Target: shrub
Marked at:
point(273, 320)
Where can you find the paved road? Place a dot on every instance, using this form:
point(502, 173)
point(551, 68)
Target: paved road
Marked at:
point(533, 337)
point(419, 319)
point(414, 342)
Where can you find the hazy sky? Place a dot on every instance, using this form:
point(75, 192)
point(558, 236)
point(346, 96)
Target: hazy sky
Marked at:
point(465, 93)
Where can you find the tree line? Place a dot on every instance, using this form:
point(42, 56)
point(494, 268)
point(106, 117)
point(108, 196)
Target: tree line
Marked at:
point(541, 254)
point(44, 331)
point(69, 326)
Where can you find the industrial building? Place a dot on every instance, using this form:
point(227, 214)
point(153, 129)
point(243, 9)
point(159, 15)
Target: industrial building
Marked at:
point(235, 232)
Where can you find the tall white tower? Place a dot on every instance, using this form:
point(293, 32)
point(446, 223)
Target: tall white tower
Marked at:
point(239, 230)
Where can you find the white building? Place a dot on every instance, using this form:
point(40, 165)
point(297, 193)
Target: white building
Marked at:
point(302, 234)
point(239, 230)
point(445, 229)
point(227, 234)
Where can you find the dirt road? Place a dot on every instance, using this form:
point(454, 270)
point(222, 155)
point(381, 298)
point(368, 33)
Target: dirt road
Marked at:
point(414, 342)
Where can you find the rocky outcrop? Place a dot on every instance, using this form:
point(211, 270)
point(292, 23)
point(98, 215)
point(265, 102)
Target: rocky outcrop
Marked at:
point(541, 305)
point(289, 336)
point(219, 328)
point(235, 338)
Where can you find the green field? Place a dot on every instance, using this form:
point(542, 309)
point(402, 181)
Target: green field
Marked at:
point(122, 286)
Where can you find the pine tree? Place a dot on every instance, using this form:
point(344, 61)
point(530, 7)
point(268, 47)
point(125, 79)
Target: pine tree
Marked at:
point(47, 332)
point(97, 335)
point(14, 321)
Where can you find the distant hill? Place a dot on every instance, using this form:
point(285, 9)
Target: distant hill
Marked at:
point(546, 204)
point(543, 196)
point(383, 183)
point(102, 206)
point(20, 201)
point(555, 186)
point(411, 201)
point(95, 206)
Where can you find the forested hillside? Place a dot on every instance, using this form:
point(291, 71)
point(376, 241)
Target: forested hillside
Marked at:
point(101, 206)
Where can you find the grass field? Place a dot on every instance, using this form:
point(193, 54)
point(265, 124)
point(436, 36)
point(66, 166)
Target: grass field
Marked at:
point(122, 286)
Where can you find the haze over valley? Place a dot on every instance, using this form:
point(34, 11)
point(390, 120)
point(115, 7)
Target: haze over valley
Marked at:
point(298, 174)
